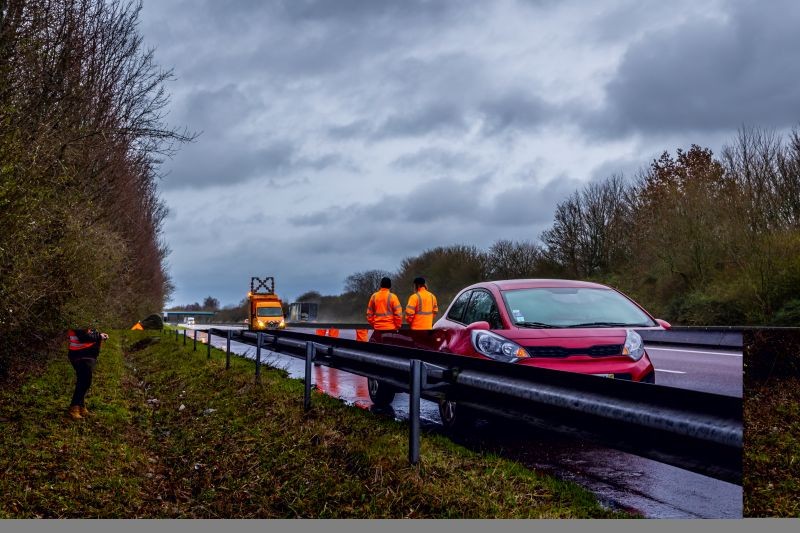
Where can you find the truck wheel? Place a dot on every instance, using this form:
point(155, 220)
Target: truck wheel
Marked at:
point(380, 393)
point(454, 416)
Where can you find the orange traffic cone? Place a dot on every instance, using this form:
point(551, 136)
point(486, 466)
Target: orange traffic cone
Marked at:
point(138, 326)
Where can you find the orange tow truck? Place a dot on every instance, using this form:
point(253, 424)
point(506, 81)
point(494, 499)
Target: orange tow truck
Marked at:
point(266, 309)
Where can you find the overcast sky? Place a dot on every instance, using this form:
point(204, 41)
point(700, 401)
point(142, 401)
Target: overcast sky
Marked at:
point(344, 135)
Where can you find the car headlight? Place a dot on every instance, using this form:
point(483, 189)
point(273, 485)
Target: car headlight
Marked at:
point(497, 347)
point(634, 347)
point(282, 324)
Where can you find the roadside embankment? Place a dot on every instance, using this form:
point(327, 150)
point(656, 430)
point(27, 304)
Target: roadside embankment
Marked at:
point(173, 434)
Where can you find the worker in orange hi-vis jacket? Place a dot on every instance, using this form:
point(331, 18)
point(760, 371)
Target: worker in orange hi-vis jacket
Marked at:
point(384, 311)
point(422, 306)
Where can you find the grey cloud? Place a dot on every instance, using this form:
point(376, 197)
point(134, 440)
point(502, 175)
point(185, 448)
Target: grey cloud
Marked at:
point(301, 38)
point(351, 11)
point(518, 111)
point(355, 129)
point(442, 200)
point(319, 218)
point(214, 162)
point(273, 183)
point(220, 161)
point(438, 117)
point(709, 74)
point(219, 108)
point(627, 167)
point(529, 204)
point(434, 200)
point(434, 159)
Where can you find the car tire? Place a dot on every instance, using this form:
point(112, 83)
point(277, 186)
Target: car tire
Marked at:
point(455, 416)
point(380, 393)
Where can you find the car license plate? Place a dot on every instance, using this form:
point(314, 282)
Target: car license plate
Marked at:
point(604, 375)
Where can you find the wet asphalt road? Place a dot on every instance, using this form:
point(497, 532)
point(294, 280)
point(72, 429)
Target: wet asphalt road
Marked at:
point(704, 369)
point(619, 479)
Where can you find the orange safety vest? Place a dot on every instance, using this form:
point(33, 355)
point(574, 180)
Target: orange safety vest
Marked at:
point(82, 350)
point(384, 311)
point(362, 335)
point(422, 305)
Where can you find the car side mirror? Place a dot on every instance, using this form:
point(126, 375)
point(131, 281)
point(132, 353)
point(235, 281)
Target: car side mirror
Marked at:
point(663, 323)
point(481, 324)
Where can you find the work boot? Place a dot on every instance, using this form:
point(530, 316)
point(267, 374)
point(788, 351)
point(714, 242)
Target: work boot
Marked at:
point(84, 411)
point(75, 412)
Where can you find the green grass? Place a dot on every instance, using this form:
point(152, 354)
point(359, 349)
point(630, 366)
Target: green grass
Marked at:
point(239, 449)
point(772, 448)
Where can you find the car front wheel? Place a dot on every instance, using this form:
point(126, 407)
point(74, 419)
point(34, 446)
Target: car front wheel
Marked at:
point(455, 416)
point(380, 393)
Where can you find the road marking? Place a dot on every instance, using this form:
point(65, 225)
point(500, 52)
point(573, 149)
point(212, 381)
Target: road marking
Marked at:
point(693, 351)
point(670, 371)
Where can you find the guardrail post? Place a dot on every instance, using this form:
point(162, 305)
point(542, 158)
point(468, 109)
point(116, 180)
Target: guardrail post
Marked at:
point(228, 351)
point(259, 340)
point(194, 345)
point(417, 368)
point(176, 334)
point(184, 337)
point(208, 346)
point(311, 351)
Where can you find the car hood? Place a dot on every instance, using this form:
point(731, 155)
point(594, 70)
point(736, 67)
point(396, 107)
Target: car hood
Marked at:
point(571, 336)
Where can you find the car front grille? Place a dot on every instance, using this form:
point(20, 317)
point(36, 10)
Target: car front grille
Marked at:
point(599, 350)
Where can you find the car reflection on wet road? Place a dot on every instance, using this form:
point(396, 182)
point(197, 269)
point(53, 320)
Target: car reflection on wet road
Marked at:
point(619, 479)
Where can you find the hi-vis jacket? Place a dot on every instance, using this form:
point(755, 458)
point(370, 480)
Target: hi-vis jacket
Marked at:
point(384, 310)
point(421, 307)
point(83, 344)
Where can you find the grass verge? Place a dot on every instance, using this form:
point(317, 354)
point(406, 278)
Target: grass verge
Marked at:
point(173, 434)
point(771, 462)
point(772, 449)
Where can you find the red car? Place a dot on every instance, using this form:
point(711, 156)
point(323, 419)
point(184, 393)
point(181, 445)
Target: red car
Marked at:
point(573, 326)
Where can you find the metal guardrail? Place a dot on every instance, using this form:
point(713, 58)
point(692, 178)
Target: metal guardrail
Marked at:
point(697, 431)
point(711, 337)
point(705, 336)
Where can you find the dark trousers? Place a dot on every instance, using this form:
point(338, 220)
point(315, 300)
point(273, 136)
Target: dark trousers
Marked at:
point(83, 371)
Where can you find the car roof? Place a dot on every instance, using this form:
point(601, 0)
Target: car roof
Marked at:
point(511, 284)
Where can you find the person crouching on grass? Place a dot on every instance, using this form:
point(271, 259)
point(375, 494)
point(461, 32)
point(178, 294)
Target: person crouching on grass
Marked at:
point(84, 347)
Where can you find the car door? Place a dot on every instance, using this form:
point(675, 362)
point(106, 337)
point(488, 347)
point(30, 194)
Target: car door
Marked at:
point(444, 329)
point(480, 308)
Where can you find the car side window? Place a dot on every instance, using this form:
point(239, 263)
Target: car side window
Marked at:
point(457, 310)
point(482, 307)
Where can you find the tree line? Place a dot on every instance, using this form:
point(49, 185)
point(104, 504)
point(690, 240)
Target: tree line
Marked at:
point(696, 239)
point(82, 133)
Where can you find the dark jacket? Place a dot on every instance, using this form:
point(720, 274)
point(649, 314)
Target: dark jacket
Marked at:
point(83, 344)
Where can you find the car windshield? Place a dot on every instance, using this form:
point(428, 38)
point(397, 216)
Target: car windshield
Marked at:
point(573, 307)
point(270, 311)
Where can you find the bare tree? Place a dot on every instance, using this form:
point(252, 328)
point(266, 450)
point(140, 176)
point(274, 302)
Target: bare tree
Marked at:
point(508, 260)
point(365, 283)
point(589, 233)
point(82, 131)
